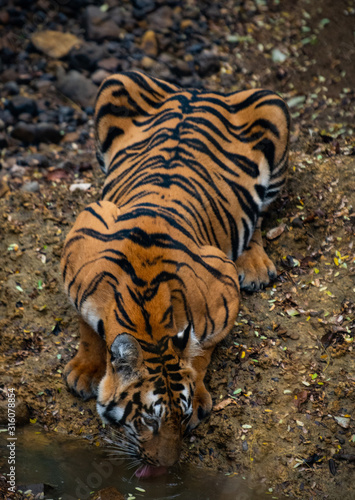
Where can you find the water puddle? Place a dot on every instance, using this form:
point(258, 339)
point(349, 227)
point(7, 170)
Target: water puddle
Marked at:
point(70, 469)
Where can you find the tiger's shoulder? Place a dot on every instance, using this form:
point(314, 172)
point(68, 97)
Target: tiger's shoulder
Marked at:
point(128, 103)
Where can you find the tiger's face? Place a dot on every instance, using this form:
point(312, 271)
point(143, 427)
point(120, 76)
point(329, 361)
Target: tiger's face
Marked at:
point(147, 399)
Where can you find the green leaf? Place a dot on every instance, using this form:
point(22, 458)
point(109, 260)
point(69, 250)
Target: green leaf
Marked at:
point(324, 22)
point(292, 312)
point(296, 101)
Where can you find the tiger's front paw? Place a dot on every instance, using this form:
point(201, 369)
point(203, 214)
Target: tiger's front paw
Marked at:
point(255, 269)
point(202, 406)
point(83, 378)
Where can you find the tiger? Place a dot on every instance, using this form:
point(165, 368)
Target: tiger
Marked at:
point(155, 268)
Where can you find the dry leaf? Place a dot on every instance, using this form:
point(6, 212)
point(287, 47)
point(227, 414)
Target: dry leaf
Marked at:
point(222, 404)
point(275, 232)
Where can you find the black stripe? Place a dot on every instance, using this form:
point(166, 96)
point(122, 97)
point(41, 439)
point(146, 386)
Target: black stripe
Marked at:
point(127, 411)
point(112, 133)
point(160, 240)
point(101, 329)
point(263, 123)
point(126, 267)
point(225, 304)
point(277, 101)
point(114, 110)
point(95, 214)
point(252, 99)
point(168, 318)
point(120, 304)
point(247, 233)
point(267, 147)
point(142, 80)
point(72, 240)
point(94, 284)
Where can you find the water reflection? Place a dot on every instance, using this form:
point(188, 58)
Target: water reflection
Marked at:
point(72, 469)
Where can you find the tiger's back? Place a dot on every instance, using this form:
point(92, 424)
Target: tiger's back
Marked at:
point(212, 162)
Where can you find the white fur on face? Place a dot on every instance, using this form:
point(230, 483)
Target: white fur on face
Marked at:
point(101, 410)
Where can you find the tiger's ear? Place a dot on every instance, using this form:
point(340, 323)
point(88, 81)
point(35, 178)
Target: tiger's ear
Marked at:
point(126, 355)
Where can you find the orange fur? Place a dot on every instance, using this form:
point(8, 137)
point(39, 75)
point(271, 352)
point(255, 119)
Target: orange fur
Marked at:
point(154, 268)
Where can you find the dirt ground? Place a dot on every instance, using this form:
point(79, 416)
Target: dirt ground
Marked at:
point(283, 382)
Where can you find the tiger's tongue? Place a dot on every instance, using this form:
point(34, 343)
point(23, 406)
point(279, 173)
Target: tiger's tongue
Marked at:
point(150, 471)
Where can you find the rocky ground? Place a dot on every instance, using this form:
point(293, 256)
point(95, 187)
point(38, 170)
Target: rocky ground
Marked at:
point(283, 382)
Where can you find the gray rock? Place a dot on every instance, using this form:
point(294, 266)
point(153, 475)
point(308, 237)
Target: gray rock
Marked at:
point(25, 117)
point(38, 160)
point(110, 64)
point(31, 187)
point(50, 115)
point(99, 25)
point(160, 70)
point(87, 56)
point(20, 104)
point(17, 171)
point(24, 132)
point(78, 88)
point(142, 7)
point(122, 16)
point(207, 65)
point(42, 132)
point(99, 76)
point(7, 118)
point(161, 19)
point(11, 88)
point(3, 141)
point(47, 132)
point(182, 68)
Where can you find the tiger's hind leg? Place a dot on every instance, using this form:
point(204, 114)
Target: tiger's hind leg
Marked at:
point(255, 269)
point(85, 371)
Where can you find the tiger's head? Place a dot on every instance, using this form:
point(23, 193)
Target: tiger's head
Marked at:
point(147, 396)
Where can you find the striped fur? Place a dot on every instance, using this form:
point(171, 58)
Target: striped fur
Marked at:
point(153, 269)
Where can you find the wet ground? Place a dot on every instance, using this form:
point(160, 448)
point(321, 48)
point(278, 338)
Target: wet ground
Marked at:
point(283, 381)
point(74, 469)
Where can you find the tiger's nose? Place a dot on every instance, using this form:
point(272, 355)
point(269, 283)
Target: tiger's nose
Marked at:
point(167, 446)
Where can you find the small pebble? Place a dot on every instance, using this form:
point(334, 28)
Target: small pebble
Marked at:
point(84, 186)
point(31, 187)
